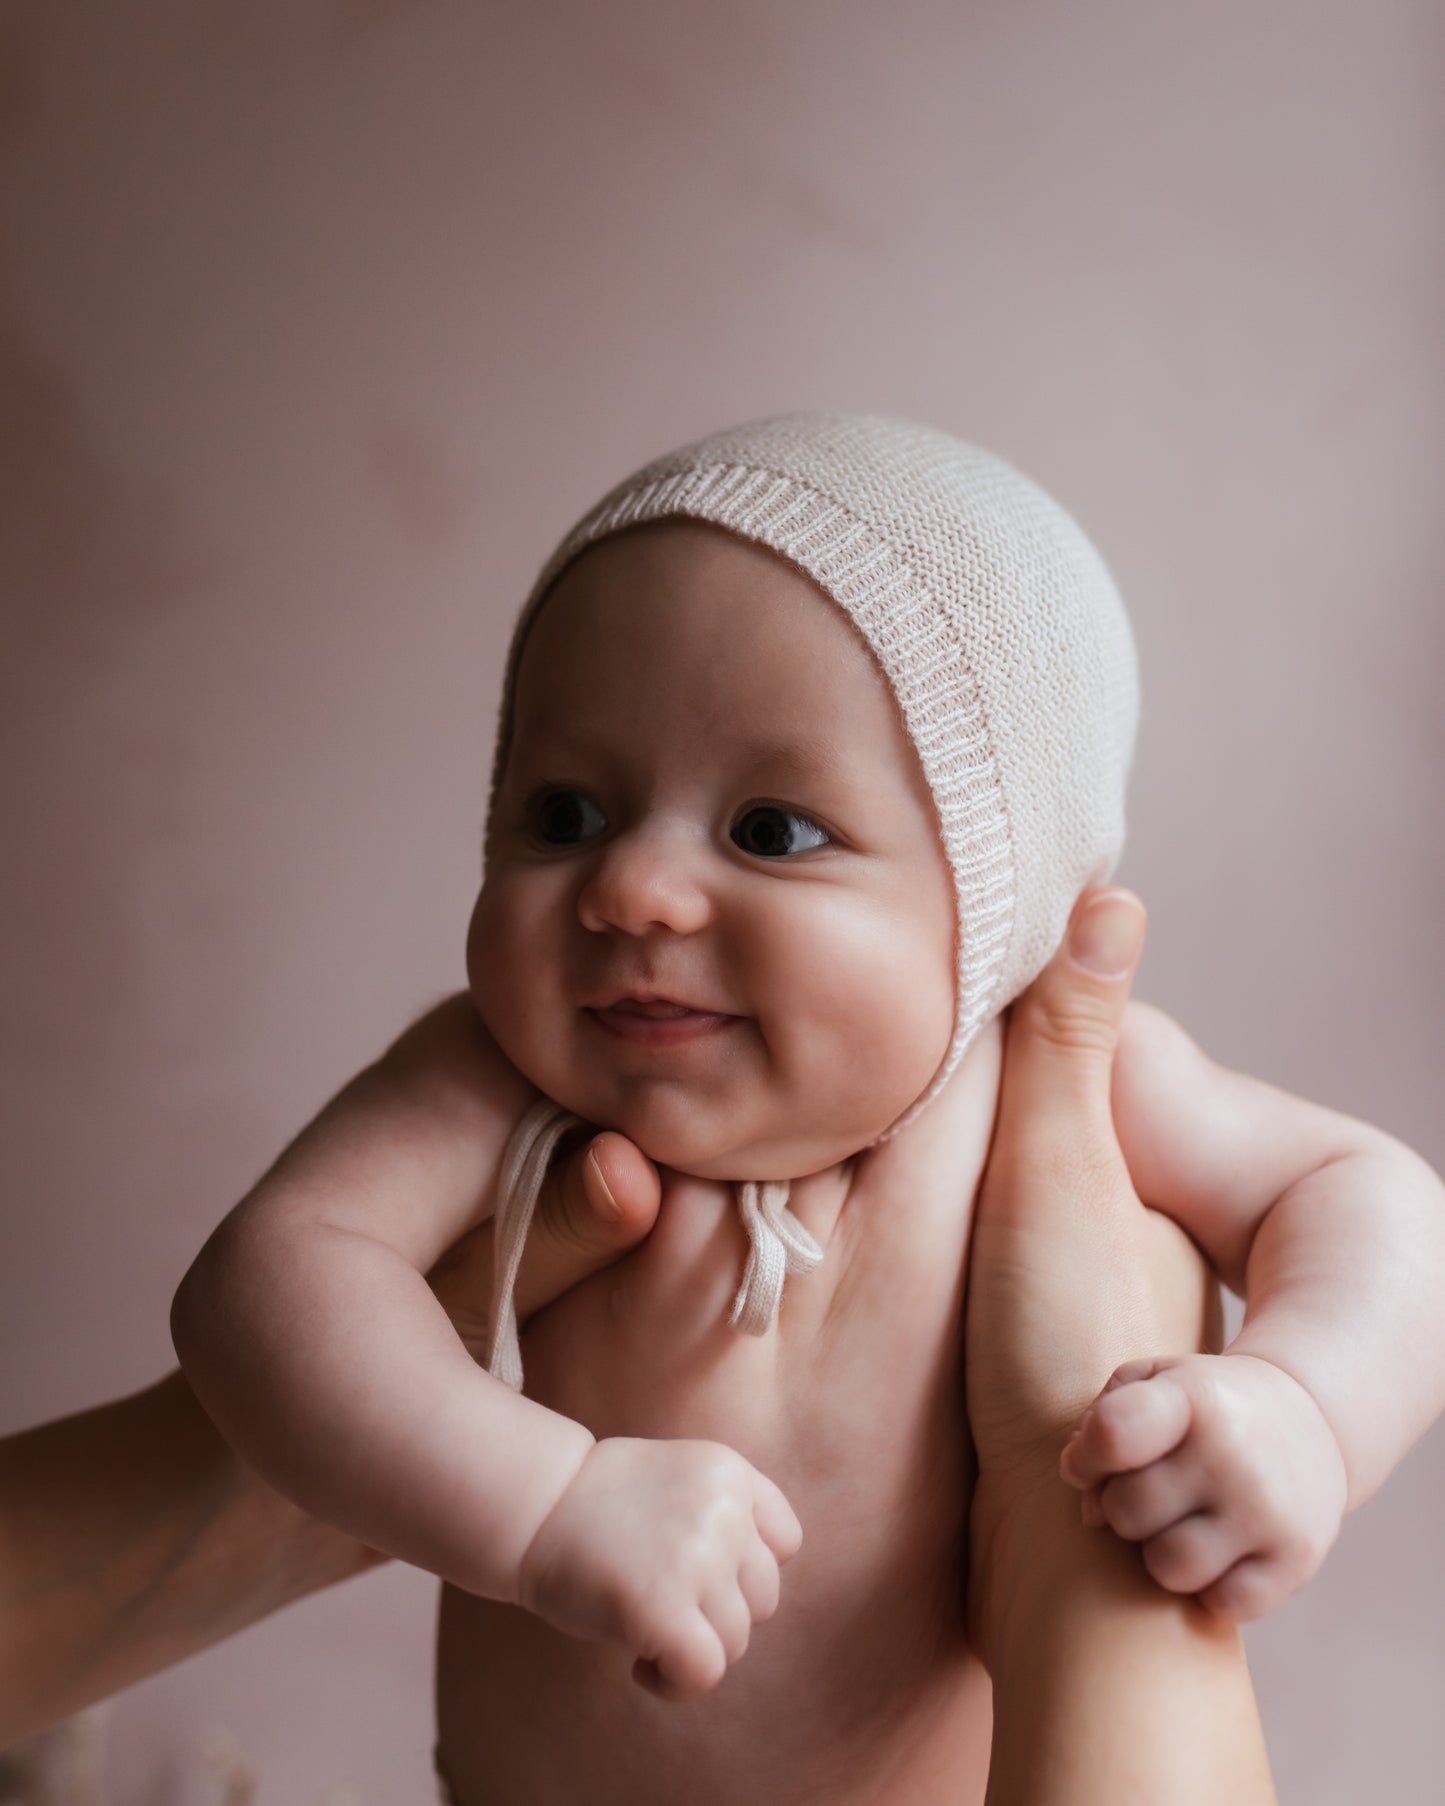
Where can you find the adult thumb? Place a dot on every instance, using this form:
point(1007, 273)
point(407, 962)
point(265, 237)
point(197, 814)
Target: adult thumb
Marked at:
point(1064, 1029)
point(597, 1203)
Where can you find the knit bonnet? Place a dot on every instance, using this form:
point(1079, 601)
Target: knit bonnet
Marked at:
point(1009, 654)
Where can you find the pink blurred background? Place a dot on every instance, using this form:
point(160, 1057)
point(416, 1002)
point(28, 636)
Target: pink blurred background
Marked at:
point(320, 320)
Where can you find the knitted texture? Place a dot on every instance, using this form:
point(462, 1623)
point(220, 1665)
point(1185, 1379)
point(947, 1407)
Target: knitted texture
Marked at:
point(995, 623)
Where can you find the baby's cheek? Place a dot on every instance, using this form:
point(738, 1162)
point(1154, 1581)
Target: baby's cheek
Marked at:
point(483, 965)
point(871, 1013)
point(907, 1043)
point(505, 963)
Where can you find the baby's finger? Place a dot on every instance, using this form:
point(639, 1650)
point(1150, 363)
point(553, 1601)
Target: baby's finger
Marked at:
point(759, 1582)
point(1250, 1589)
point(775, 1518)
point(1091, 1512)
point(1139, 1505)
point(1127, 1428)
point(1137, 1370)
point(727, 1611)
point(690, 1661)
point(1192, 1555)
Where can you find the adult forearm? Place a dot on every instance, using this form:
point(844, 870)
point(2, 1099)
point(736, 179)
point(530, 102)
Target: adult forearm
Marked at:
point(1345, 1276)
point(1108, 1689)
point(132, 1536)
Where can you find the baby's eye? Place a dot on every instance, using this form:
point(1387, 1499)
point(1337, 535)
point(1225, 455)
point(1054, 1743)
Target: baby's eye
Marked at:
point(559, 817)
point(767, 829)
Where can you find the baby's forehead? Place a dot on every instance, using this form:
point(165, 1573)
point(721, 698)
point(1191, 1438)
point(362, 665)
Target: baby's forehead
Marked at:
point(685, 640)
point(685, 561)
point(682, 606)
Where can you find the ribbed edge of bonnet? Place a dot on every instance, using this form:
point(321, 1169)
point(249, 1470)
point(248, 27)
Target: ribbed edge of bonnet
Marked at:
point(921, 654)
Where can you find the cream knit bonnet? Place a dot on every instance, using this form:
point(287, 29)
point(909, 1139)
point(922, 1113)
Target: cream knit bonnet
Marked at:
point(1009, 653)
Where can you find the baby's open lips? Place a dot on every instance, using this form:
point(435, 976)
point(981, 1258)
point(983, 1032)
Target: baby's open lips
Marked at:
point(659, 1023)
point(652, 1004)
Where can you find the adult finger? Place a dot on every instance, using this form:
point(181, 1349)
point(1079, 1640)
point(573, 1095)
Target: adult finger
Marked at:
point(595, 1205)
point(600, 1201)
point(1063, 1030)
point(1058, 1292)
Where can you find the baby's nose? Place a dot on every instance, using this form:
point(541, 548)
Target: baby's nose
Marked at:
point(650, 878)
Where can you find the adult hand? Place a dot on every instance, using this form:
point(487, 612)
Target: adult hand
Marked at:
point(1070, 1276)
point(1105, 1687)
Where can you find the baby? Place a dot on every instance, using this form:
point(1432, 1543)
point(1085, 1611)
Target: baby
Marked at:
point(811, 735)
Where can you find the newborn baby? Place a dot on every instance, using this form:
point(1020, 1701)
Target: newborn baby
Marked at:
point(812, 734)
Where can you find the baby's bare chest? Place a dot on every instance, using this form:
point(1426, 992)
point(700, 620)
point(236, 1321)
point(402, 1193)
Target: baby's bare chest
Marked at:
point(860, 1691)
point(854, 1406)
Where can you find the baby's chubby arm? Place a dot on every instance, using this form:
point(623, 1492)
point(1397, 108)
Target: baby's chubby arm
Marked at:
point(1234, 1470)
point(307, 1330)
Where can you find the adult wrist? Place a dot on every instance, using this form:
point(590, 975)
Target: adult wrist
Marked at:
point(1034, 1565)
point(1027, 1544)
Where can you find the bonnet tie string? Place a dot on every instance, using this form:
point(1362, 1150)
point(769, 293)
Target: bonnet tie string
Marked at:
point(778, 1244)
point(524, 1167)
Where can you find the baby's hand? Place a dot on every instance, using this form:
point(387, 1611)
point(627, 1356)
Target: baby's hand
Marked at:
point(669, 1548)
point(1223, 1467)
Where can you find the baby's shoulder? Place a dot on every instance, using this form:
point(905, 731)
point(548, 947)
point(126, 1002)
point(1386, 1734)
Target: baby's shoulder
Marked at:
point(440, 1105)
point(1165, 1089)
point(1156, 1053)
point(449, 1060)
point(1211, 1147)
point(1166, 1086)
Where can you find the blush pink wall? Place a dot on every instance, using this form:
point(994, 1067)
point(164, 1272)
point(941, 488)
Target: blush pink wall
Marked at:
point(319, 320)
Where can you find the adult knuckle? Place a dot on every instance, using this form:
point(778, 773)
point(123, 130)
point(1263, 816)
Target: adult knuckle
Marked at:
point(1072, 1161)
point(1072, 1024)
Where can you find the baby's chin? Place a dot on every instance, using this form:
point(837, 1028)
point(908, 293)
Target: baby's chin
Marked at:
point(699, 1137)
point(731, 1164)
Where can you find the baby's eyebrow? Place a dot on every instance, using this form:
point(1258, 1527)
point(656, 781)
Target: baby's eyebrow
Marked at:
point(810, 758)
point(778, 756)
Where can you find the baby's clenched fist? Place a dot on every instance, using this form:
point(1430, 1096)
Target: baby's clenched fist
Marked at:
point(1223, 1467)
point(670, 1548)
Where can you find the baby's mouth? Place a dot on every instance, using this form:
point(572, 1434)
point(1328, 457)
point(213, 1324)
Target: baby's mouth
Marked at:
point(658, 1022)
point(659, 1009)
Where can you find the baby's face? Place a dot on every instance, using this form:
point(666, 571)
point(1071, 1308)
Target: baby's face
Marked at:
point(710, 798)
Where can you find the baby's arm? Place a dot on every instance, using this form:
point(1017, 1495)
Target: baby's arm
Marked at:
point(308, 1332)
point(1234, 1471)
